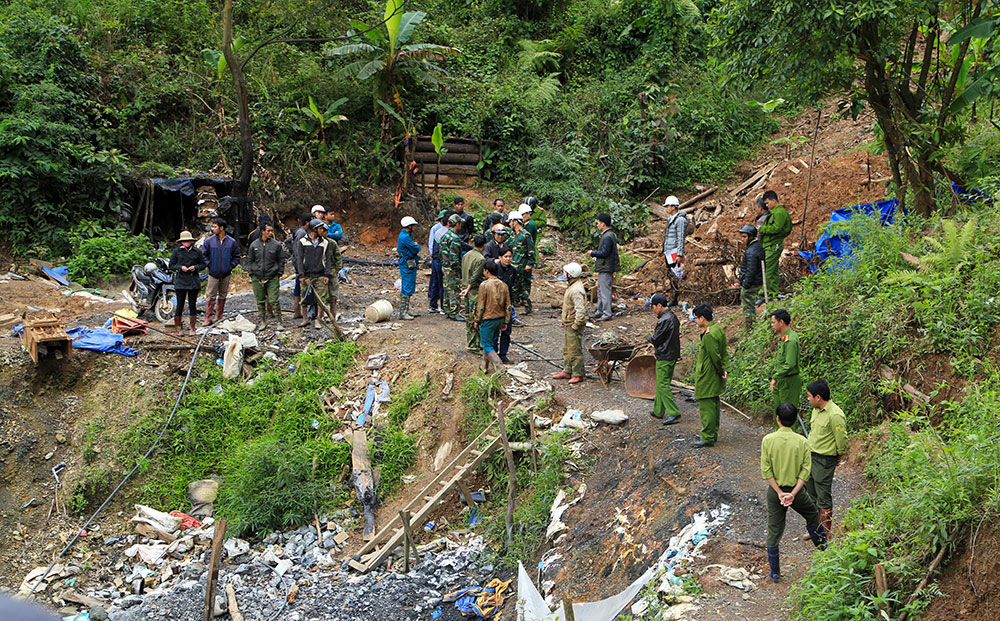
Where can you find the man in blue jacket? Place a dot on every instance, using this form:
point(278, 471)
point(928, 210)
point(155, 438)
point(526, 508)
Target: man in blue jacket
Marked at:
point(407, 249)
point(222, 254)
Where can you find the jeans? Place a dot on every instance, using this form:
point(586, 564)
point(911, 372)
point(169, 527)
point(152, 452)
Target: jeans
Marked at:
point(504, 336)
point(435, 288)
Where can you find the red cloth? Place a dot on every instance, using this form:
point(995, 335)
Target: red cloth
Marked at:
point(186, 520)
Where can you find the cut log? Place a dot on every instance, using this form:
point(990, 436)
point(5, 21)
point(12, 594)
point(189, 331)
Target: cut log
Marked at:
point(468, 170)
point(363, 480)
point(447, 158)
point(451, 147)
point(449, 180)
point(754, 178)
point(694, 199)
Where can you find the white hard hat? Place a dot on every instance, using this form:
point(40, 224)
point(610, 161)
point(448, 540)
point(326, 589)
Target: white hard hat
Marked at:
point(573, 270)
point(672, 200)
point(515, 215)
point(316, 208)
point(407, 221)
point(524, 208)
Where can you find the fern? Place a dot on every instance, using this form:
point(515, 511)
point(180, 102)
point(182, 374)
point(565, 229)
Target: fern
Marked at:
point(539, 56)
point(953, 253)
point(544, 92)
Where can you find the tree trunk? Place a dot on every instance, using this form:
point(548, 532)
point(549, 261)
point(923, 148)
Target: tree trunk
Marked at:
point(241, 185)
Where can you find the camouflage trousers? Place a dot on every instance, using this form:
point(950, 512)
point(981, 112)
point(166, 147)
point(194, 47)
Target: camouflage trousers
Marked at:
point(520, 294)
point(452, 287)
point(471, 333)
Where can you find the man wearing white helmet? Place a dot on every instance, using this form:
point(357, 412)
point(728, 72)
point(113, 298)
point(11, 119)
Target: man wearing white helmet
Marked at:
point(407, 250)
point(673, 245)
point(498, 242)
point(574, 314)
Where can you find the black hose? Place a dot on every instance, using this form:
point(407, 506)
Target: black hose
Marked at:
point(128, 476)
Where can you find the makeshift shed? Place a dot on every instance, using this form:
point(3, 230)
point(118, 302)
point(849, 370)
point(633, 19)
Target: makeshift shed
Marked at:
point(163, 207)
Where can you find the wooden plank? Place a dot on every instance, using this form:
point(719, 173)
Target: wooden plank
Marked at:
point(464, 490)
point(213, 569)
point(447, 158)
point(411, 543)
point(468, 170)
point(234, 609)
point(429, 489)
point(451, 146)
point(420, 516)
point(363, 480)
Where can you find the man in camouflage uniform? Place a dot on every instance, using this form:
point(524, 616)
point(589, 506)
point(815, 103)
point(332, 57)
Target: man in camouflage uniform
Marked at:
point(523, 262)
point(451, 263)
point(473, 264)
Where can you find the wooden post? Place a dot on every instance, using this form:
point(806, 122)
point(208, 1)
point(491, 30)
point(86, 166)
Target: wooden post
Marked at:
point(812, 164)
point(362, 479)
point(568, 608)
point(881, 584)
point(763, 273)
point(512, 480)
point(408, 542)
point(531, 430)
point(213, 568)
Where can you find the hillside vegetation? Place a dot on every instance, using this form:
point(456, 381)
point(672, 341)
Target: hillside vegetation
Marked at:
point(587, 104)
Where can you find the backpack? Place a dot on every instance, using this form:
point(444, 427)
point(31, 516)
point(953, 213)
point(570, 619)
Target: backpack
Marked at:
point(689, 227)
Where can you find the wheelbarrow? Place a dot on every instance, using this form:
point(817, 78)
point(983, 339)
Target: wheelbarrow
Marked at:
point(609, 358)
point(640, 377)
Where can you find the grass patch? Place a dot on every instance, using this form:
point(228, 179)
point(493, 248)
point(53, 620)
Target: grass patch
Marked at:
point(269, 441)
point(91, 436)
point(394, 449)
point(92, 488)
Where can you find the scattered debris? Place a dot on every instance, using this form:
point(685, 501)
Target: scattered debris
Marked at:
point(556, 525)
point(376, 361)
point(735, 577)
point(610, 417)
point(573, 419)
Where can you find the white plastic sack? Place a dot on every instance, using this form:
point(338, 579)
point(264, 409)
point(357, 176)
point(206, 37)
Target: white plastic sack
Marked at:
point(232, 360)
point(163, 521)
point(610, 417)
point(239, 324)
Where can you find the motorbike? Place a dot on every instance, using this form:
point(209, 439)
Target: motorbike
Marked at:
point(153, 288)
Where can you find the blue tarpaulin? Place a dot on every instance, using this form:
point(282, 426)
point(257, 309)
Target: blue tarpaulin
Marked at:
point(835, 243)
point(970, 197)
point(97, 339)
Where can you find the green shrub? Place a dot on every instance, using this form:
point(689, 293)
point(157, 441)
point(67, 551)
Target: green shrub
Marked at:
point(100, 253)
point(92, 488)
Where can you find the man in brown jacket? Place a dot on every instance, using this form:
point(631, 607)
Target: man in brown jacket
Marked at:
point(574, 314)
point(492, 316)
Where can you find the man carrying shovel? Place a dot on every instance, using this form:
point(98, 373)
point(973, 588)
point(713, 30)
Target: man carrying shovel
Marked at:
point(314, 267)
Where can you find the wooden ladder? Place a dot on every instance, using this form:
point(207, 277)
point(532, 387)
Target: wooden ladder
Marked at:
point(448, 480)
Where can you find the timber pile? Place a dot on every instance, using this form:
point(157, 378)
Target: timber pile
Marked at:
point(458, 167)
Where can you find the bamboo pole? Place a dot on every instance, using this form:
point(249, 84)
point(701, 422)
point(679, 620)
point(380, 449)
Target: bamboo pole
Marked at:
point(812, 164)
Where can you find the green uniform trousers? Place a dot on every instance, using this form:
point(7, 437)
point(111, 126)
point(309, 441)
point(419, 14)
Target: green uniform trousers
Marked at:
point(820, 483)
point(788, 390)
point(747, 299)
point(802, 504)
point(471, 333)
point(772, 254)
point(452, 287)
point(573, 351)
point(323, 291)
point(664, 405)
point(710, 410)
point(266, 292)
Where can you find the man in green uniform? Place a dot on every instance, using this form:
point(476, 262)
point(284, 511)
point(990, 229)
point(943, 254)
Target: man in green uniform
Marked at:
point(709, 374)
point(786, 385)
point(523, 262)
point(472, 276)
point(666, 340)
point(772, 235)
point(827, 441)
point(785, 465)
point(574, 318)
point(451, 264)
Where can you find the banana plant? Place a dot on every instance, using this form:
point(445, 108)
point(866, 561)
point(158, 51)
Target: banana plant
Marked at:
point(437, 139)
point(388, 59)
point(318, 122)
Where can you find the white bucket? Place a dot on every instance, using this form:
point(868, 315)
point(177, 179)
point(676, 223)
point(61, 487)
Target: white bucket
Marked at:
point(380, 310)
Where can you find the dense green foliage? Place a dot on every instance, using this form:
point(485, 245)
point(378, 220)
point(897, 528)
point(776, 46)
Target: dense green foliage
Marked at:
point(96, 253)
point(588, 105)
point(269, 441)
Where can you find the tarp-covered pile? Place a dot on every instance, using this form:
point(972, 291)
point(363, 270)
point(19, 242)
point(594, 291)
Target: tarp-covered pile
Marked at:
point(835, 242)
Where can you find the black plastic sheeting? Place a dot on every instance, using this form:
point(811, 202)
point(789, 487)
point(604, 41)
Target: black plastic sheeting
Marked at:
point(186, 185)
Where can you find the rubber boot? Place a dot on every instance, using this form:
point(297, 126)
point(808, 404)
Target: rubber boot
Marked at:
point(177, 324)
point(193, 325)
point(527, 306)
point(817, 534)
point(296, 308)
point(826, 517)
point(774, 560)
point(404, 308)
point(261, 316)
point(209, 313)
point(220, 309)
